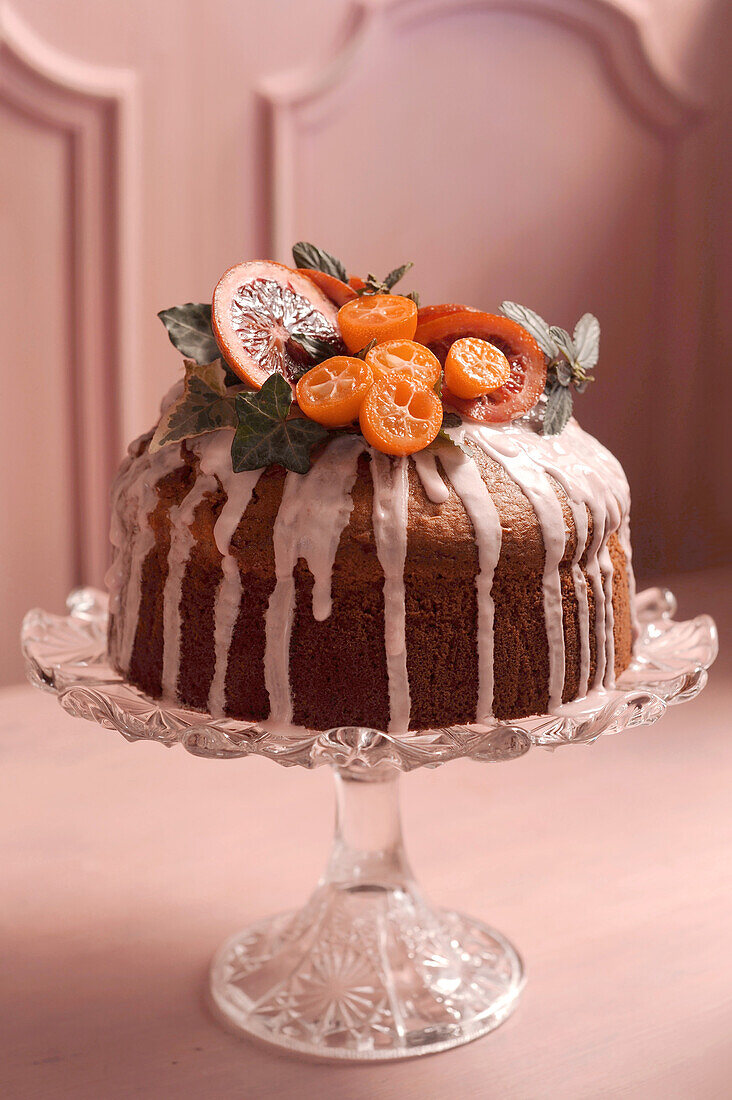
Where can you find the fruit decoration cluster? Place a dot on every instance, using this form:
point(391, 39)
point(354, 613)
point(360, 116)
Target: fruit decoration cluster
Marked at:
point(288, 356)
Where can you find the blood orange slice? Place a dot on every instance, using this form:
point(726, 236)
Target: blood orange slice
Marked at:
point(257, 306)
point(527, 379)
point(431, 313)
point(333, 288)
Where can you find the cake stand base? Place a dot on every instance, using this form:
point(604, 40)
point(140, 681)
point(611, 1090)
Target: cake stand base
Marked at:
point(367, 970)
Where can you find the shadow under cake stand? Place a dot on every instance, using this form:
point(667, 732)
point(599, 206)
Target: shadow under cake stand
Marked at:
point(367, 970)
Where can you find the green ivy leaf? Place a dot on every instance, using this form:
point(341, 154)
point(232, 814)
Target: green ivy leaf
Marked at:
point(266, 436)
point(204, 406)
point(189, 329)
point(317, 259)
point(558, 409)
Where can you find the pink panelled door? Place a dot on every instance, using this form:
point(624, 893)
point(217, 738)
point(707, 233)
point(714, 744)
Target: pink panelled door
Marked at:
point(563, 153)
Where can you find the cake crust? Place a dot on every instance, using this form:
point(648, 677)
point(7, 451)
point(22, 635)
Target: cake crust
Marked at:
point(338, 666)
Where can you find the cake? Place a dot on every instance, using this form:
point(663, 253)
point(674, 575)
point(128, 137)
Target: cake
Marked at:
point(357, 512)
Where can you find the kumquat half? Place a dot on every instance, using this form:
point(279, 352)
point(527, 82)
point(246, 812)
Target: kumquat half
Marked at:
point(332, 392)
point(406, 356)
point(473, 368)
point(400, 415)
point(377, 317)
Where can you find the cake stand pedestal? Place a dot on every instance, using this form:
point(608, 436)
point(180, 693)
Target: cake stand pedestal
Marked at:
point(367, 970)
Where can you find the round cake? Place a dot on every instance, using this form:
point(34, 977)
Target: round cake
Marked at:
point(485, 575)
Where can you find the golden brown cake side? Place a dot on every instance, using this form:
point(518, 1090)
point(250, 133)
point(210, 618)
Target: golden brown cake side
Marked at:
point(338, 669)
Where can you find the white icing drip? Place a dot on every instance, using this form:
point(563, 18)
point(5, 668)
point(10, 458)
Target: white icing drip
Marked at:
point(181, 544)
point(566, 459)
point(472, 490)
point(214, 453)
point(314, 511)
point(593, 474)
point(391, 498)
point(592, 479)
point(627, 548)
point(505, 449)
point(132, 539)
point(429, 475)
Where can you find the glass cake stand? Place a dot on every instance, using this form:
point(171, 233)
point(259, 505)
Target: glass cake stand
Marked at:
point(367, 970)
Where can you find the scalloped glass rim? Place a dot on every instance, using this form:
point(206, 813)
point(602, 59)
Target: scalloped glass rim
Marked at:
point(67, 655)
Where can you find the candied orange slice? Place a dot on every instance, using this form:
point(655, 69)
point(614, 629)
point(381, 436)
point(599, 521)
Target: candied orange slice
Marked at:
point(405, 355)
point(377, 317)
point(333, 288)
point(431, 313)
point(400, 415)
point(257, 307)
point(332, 392)
point(528, 365)
point(473, 368)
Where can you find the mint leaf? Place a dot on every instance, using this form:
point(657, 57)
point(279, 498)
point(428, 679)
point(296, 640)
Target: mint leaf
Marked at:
point(204, 406)
point(266, 436)
point(587, 341)
point(317, 259)
point(451, 420)
point(397, 274)
point(413, 294)
point(558, 409)
point(533, 323)
point(564, 343)
point(189, 329)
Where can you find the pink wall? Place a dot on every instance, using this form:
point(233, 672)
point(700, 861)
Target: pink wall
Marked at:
point(565, 153)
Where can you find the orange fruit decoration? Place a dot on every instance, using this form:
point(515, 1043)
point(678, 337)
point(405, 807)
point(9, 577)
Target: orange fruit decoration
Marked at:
point(430, 313)
point(400, 415)
point(407, 356)
point(526, 359)
point(473, 368)
point(377, 317)
point(332, 392)
point(257, 307)
point(333, 288)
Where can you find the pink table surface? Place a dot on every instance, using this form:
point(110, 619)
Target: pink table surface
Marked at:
point(123, 866)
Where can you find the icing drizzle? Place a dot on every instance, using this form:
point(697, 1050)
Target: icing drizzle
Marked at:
point(314, 511)
point(313, 514)
point(391, 497)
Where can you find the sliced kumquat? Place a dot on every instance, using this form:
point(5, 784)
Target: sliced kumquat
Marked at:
point(407, 356)
point(473, 368)
point(332, 392)
point(377, 317)
point(399, 415)
point(526, 359)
